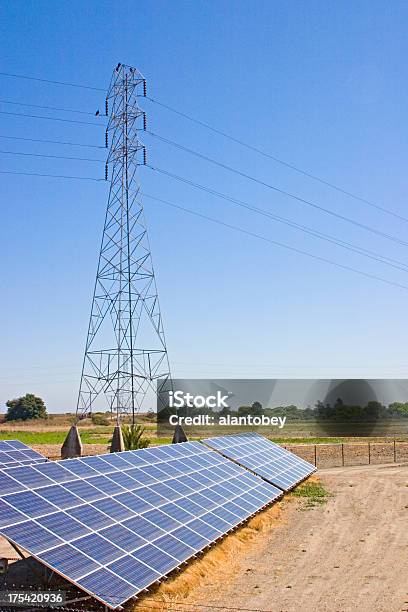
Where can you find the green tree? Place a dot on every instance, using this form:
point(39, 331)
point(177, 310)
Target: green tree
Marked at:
point(27, 407)
point(133, 437)
point(257, 409)
point(244, 410)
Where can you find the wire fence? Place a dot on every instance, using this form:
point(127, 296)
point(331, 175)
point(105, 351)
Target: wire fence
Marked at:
point(351, 453)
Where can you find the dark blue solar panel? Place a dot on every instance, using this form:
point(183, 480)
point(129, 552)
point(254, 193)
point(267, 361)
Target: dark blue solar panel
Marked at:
point(30, 503)
point(98, 548)
point(165, 491)
point(135, 572)
point(31, 537)
point(191, 538)
point(69, 561)
point(137, 504)
point(84, 490)
point(28, 476)
point(14, 453)
point(128, 523)
point(124, 538)
point(98, 464)
point(155, 558)
point(115, 509)
point(204, 529)
point(55, 471)
point(63, 525)
point(274, 463)
point(78, 467)
point(148, 495)
point(216, 522)
point(9, 516)
point(107, 587)
point(124, 480)
point(174, 547)
point(90, 516)
point(60, 497)
point(144, 477)
point(176, 512)
point(160, 518)
point(143, 528)
point(9, 485)
point(117, 461)
point(106, 485)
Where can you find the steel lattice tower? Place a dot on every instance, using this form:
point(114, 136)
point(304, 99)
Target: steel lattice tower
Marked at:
point(125, 351)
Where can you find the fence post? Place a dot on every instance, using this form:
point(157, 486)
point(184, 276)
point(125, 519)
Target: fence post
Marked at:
point(315, 455)
point(395, 451)
point(342, 454)
point(369, 453)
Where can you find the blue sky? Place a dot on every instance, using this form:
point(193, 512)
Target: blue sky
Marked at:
point(322, 85)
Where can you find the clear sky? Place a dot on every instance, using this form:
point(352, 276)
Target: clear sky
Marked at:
point(320, 84)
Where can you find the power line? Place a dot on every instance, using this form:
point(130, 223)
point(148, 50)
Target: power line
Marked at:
point(276, 243)
point(53, 108)
point(278, 190)
point(61, 176)
point(60, 142)
point(52, 156)
point(279, 160)
point(21, 76)
point(224, 224)
point(51, 118)
point(304, 228)
point(232, 139)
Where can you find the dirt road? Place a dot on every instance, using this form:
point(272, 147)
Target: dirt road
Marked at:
point(349, 554)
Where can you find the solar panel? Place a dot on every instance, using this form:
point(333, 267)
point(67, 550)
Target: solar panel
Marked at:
point(116, 523)
point(14, 453)
point(275, 464)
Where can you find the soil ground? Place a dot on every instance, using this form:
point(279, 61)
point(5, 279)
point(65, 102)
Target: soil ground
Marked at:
point(346, 555)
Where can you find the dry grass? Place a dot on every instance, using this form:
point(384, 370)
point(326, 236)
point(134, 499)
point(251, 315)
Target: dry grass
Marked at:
point(218, 562)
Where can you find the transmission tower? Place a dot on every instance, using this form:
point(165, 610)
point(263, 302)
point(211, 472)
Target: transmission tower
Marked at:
point(125, 352)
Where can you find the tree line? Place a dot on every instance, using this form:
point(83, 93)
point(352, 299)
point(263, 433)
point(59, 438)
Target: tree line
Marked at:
point(339, 411)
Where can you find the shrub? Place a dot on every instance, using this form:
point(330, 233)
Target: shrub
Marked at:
point(133, 437)
point(100, 419)
point(27, 407)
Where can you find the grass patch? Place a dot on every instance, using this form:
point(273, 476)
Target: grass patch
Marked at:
point(90, 436)
point(313, 493)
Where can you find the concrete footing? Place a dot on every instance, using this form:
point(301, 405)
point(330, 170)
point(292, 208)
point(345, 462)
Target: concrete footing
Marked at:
point(179, 435)
point(72, 446)
point(117, 444)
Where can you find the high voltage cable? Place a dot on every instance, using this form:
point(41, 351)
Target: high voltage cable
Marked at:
point(232, 139)
point(224, 224)
point(279, 160)
point(21, 76)
point(304, 228)
point(54, 108)
point(51, 118)
point(52, 156)
point(277, 189)
point(61, 176)
point(276, 243)
point(61, 142)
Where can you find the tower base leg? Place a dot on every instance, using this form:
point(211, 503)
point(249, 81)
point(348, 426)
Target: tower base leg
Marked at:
point(117, 444)
point(179, 435)
point(72, 446)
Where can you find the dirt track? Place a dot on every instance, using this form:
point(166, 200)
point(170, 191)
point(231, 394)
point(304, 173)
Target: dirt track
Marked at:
point(349, 554)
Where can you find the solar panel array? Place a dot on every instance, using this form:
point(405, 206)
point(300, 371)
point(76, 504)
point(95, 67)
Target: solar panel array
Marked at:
point(114, 524)
point(14, 453)
point(254, 452)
